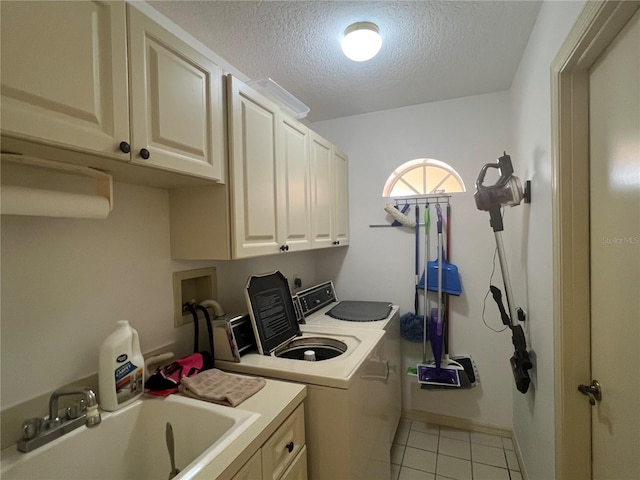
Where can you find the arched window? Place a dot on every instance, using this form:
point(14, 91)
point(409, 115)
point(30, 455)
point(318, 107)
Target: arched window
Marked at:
point(423, 176)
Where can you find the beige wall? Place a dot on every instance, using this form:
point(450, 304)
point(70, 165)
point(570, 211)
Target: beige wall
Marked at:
point(65, 282)
point(466, 133)
point(531, 235)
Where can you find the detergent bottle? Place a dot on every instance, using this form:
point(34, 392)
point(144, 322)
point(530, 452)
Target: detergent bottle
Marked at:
point(121, 368)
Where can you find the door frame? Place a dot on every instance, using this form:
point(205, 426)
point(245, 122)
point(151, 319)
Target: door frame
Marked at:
point(595, 28)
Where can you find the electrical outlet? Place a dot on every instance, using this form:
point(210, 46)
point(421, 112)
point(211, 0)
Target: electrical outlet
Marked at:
point(297, 282)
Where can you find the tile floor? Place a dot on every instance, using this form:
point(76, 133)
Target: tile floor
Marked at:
point(424, 451)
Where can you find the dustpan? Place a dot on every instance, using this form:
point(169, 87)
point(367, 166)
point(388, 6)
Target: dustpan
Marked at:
point(450, 277)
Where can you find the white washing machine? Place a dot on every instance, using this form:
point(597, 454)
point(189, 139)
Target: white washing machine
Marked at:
point(319, 306)
point(347, 409)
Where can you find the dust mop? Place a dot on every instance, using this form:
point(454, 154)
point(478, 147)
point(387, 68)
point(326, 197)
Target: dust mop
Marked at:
point(435, 374)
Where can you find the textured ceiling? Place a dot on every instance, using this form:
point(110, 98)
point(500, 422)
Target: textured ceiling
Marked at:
point(432, 50)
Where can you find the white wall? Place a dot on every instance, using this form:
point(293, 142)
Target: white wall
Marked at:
point(533, 413)
point(379, 264)
point(65, 282)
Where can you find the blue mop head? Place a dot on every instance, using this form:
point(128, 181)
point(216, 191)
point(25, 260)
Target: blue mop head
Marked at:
point(412, 327)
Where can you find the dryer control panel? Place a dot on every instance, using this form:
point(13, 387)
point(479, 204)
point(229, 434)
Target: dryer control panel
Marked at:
point(313, 299)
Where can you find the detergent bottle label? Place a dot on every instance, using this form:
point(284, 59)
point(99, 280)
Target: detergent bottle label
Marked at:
point(128, 379)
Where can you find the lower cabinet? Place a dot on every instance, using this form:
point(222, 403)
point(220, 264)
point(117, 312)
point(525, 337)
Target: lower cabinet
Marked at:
point(252, 470)
point(283, 456)
point(298, 469)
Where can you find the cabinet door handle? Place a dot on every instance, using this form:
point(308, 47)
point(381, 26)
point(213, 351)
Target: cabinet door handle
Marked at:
point(289, 447)
point(337, 242)
point(125, 147)
point(284, 248)
point(144, 153)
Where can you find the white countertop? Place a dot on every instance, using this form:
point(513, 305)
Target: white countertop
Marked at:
point(275, 402)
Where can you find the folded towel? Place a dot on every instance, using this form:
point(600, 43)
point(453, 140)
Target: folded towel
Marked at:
point(220, 387)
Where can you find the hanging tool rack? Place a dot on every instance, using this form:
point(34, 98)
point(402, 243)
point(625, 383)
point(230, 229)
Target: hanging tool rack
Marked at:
point(403, 205)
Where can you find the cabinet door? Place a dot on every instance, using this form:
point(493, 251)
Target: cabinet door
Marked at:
point(340, 198)
point(294, 189)
point(321, 192)
point(298, 469)
point(252, 470)
point(64, 75)
point(253, 143)
point(282, 448)
point(176, 102)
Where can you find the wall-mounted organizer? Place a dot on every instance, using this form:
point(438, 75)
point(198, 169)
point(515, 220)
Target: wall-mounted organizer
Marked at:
point(403, 205)
point(192, 285)
point(24, 200)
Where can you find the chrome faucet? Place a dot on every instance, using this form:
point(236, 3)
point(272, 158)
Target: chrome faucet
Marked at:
point(92, 414)
point(39, 431)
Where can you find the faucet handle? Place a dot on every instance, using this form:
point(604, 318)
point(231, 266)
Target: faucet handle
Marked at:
point(76, 409)
point(31, 428)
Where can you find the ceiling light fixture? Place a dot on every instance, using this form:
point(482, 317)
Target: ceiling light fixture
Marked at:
point(361, 41)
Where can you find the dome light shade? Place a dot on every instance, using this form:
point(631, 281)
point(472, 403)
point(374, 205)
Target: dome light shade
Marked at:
point(361, 41)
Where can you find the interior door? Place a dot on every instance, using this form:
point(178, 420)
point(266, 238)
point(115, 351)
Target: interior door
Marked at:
point(614, 124)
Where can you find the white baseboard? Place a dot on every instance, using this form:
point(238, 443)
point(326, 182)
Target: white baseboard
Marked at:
point(456, 422)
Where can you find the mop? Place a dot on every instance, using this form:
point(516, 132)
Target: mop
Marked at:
point(427, 224)
point(463, 363)
point(435, 374)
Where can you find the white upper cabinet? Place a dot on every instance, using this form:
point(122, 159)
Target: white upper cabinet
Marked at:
point(329, 194)
point(295, 187)
point(269, 175)
point(254, 171)
point(74, 74)
point(340, 198)
point(321, 192)
point(64, 74)
point(269, 187)
point(176, 102)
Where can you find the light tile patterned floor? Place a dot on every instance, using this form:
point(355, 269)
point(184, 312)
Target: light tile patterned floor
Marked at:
point(423, 451)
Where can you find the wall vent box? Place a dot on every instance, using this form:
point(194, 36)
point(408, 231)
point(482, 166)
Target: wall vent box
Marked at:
point(199, 284)
point(274, 92)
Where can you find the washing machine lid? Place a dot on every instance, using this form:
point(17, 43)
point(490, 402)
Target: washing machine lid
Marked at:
point(273, 315)
point(360, 311)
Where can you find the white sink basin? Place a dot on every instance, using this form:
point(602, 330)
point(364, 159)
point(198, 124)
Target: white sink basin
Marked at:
point(130, 443)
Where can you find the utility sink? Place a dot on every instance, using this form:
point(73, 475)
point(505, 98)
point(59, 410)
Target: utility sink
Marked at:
point(131, 443)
